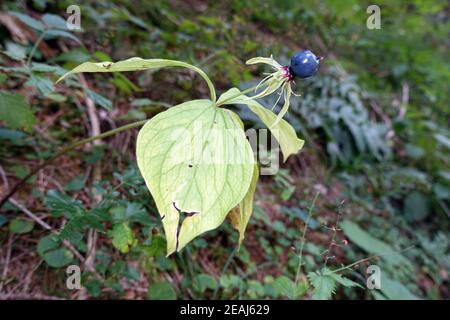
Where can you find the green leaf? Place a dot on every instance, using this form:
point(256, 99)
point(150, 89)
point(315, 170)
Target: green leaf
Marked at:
point(240, 215)
point(136, 64)
point(16, 112)
point(47, 243)
point(49, 248)
point(394, 290)
point(43, 85)
point(202, 282)
point(29, 21)
point(156, 247)
point(3, 220)
point(50, 34)
point(54, 21)
point(373, 245)
point(324, 285)
point(197, 164)
point(161, 291)
point(340, 279)
point(287, 287)
point(20, 226)
point(416, 207)
point(122, 237)
point(58, 258)
point(282, 131)
point(61, 204)
point(100, 100)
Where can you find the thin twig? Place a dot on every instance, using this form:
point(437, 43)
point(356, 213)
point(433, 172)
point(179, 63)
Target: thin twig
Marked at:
point(300, 254)
point(334, 228)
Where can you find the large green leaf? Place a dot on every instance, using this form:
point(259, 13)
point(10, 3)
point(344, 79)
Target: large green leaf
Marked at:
point(240, 215)
point(373, 245)
point(197, 164)
point(281, 130)
point(394, 290)
point(15, 111)
point(136, 64)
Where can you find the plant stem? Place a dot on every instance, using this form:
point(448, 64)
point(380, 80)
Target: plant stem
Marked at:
point(224, 269)
point(66, 150)
point(33, 50)
point(241, 93)
point(370, 258)
point(300, 254)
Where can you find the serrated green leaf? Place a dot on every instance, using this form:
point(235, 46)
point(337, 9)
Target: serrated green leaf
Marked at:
point(240, 215)
point(15, 111)
point(373, 245)
point(286, 287)
point(20, 226)
point(340, 279)
point(197, 164)
point(122, 237)
point(61, 204)
point(324, 285)
point(282, 131)
point(136, 64)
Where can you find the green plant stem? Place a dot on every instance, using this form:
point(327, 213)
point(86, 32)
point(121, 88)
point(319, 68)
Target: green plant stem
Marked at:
point(66, 150)
point(369, 258)
point(36, 44)
point(224, 269)
point(300, 254)
point(241, 93)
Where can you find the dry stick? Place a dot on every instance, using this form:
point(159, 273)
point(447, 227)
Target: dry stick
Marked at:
point(89, 263)
point(64, 151)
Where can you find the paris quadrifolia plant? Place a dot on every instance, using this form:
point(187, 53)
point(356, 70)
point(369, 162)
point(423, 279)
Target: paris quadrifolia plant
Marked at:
point(195, 158)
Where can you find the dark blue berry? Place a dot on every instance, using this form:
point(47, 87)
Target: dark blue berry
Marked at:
point(304, 64)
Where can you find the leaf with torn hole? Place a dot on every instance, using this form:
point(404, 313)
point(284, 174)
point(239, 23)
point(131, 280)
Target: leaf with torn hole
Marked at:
point(240, 215)
point(197, 164)
point(282, 131)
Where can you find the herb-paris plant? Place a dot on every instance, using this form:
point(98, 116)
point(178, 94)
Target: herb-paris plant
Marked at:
point(195, 158)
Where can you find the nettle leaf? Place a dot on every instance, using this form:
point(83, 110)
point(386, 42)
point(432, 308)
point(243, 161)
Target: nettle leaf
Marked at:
point(287, 287)
point(281, 130)
point(324, 285)
point(197, 164)
point(240, 215)
point(15, 111)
